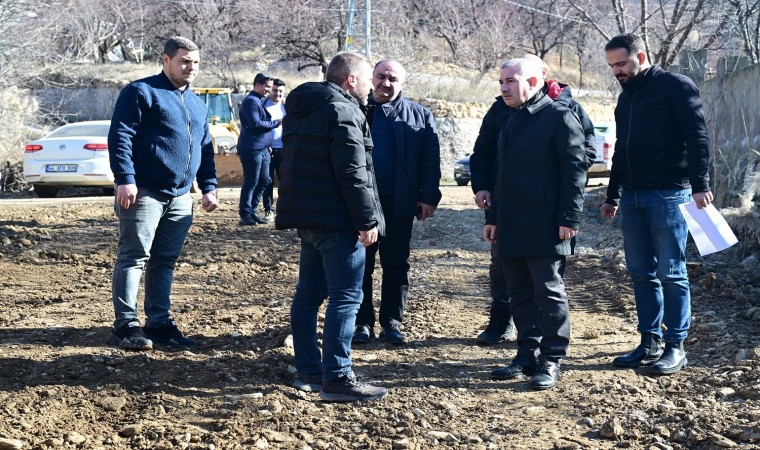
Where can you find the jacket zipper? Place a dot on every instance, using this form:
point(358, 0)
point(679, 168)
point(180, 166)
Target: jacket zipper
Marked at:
point(628, 140)
point(190, 135)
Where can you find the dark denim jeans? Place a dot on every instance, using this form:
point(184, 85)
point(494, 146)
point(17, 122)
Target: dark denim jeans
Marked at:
point(332, 265)
point(274, 170)
point(539, 306)
point(151, 235)
point(255, 179)
point(394, 259)
point(654, 236)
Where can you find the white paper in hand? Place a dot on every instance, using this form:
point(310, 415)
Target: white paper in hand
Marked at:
point(708, 228)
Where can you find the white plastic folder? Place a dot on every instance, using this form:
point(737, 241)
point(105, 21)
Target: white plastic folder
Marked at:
point(708, 228)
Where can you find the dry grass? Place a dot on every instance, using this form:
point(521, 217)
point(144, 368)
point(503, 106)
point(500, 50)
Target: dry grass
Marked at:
point(17, 123)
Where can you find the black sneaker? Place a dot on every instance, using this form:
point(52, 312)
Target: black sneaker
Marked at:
point(363, 334)
point(247, 220)
point(168, 334)
point(130, 337)
point(267, 213)
point(349, 389)
point(308, 382)
point(258, 219)
point(393, 334)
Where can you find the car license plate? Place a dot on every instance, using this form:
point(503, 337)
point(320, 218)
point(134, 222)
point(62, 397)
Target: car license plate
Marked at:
point(61, 168)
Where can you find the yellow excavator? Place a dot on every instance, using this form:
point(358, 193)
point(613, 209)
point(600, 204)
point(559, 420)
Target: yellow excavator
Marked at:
point(224, 133)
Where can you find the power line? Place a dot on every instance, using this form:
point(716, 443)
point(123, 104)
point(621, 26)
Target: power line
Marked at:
point(547, 13)
point(230, 5)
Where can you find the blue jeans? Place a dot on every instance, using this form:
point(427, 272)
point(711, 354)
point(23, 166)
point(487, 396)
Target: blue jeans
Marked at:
point(654, 236)
point(151, 235)
point(332, 265)
point(255, 179)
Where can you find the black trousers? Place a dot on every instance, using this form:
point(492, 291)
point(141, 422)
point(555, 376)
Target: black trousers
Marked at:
point(499, 297)
point(394, 259)
point(498, 284)
point(538, 303)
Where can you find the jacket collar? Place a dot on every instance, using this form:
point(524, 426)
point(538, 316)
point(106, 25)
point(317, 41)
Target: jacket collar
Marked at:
point(553, 89)
point(394, 103)
point(345, 94)
point(537, 102)
point(641, 79)
point(167, 83)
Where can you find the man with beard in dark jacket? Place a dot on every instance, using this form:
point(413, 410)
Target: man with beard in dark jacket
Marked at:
point(535, 214)
point(327, 193)
point(661, 156)
point(483, 168)
point(407, 162)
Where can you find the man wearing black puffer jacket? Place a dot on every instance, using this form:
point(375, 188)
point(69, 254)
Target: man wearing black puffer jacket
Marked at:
point(327, 192)
point(661, 157)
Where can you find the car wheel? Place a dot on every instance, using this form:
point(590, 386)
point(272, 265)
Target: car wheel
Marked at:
point(461, 182)
point(45, 191)
point(109, 192)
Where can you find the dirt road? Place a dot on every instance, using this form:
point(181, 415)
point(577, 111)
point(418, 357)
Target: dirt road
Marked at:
point(61, 386)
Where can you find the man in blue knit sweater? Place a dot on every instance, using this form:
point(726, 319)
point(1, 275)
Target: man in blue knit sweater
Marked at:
point(159, 142)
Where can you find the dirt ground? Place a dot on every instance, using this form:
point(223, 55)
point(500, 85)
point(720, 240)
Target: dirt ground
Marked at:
point(61, 386)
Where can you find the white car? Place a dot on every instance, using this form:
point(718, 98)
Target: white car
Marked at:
point(74, 155)
point(604, 144)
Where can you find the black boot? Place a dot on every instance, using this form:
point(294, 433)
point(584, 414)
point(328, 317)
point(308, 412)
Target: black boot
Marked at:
point(646, 354)
point(500, 328)
point(672, 360)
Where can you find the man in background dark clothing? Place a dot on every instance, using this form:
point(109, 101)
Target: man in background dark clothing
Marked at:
point(256, 127)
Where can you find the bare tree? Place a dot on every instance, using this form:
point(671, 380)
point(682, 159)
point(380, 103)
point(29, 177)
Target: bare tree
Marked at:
point(308, 32)
point(478, 33)
point(666, 27)
point(24, 50)
point(748, 25)
point(546, 23)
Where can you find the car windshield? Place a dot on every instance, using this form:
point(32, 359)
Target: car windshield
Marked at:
point(78, 130)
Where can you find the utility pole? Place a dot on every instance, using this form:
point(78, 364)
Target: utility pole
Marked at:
point(359, 41)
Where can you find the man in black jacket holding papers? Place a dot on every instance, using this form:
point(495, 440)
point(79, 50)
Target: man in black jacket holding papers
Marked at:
point(661, 157)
